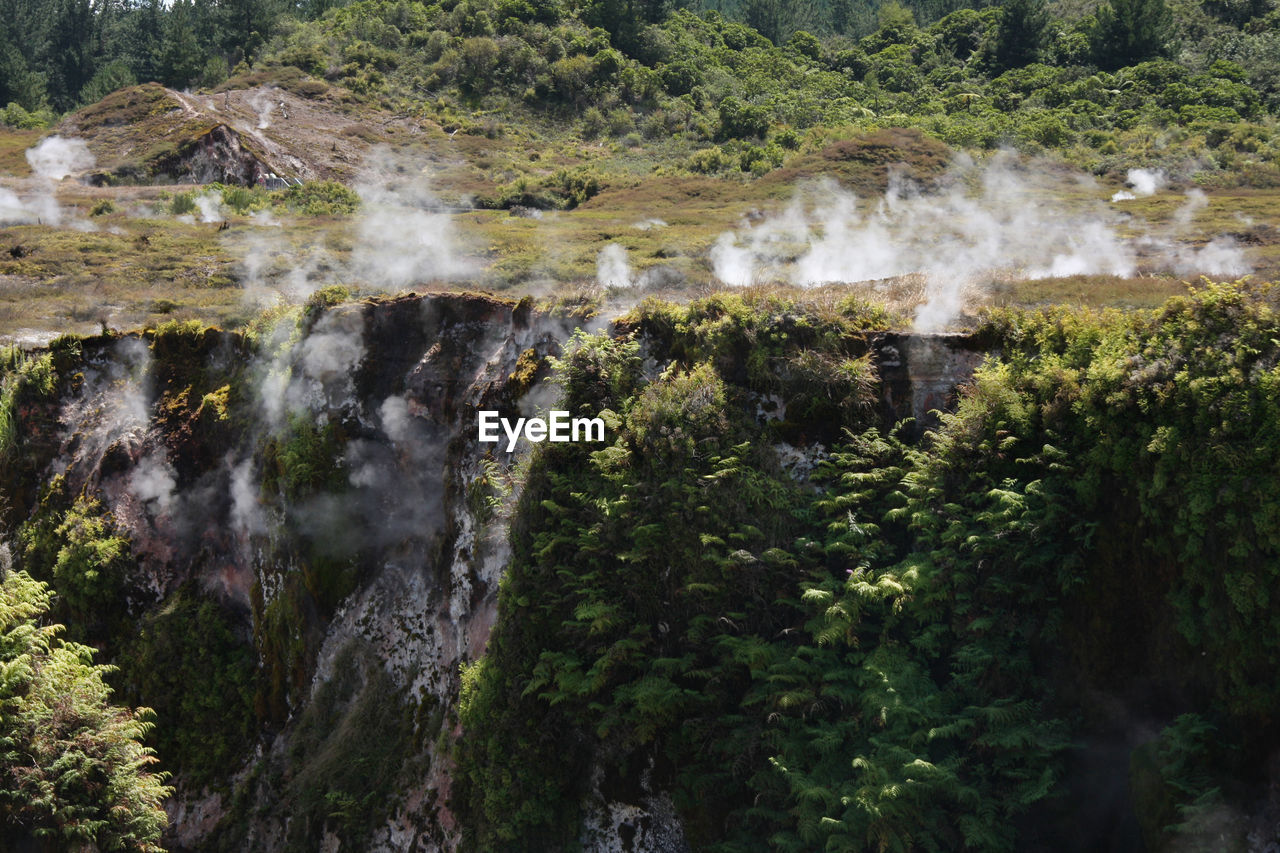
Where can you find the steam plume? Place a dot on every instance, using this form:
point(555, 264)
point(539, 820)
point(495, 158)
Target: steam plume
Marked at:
point(612, 268)
point(958, 239)
point(264, 104)
point(53, 159)
point(210, 206)
point(404, 236)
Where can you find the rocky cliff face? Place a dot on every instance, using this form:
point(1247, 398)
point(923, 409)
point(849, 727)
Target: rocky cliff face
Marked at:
point(323, 485)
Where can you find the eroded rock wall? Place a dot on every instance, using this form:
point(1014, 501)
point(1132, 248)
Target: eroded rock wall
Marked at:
point(324, 484)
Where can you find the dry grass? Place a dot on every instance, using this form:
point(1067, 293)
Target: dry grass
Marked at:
point(139, 272)
point(141, 267)
point(1093, 291)
point(13, 150)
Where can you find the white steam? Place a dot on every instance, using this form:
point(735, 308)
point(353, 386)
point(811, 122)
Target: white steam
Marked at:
point(153, 479)
point(956, 239)
point(396, 419)
point(113, 406)
point(264, 104)
point(1145, 182)
point(246, 507)
point(12, 209)
point(1196, 202)
point(985, 224)
point(210, 206)
point(317, 373)
point(404, 236)
point(1221, 256)
point(53, 159)
point(612, 267)
point(273, 269)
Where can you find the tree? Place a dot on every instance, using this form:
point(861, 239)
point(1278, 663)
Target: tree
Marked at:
point(776, 20)
point(73, 770)
point(1126, 32)
point(18, 83)
point(841, 16)
point(1023, 24)
point(69, 55)
point(110, 77)
point(181, 58)
point(141, 39)
point(24, 32)
point(245, 25)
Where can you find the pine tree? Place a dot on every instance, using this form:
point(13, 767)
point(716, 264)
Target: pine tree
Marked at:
point(141, 38)
point(19, 84)
point(180, 55)
point(245, 25)
point(1126, 32)
point(1021, 35)
point(69, 51)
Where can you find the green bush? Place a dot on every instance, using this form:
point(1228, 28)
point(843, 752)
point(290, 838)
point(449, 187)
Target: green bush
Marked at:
point(708, 161)
point(73, 770)
point(205, 723)
point(802, 657)
point(18, 118)
point(322, 198)
point(183, 204)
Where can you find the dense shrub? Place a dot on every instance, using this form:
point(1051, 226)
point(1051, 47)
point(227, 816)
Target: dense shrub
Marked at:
point(893, 659)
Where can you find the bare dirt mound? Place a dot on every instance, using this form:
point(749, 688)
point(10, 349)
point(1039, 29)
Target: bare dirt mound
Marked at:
point(150, 134)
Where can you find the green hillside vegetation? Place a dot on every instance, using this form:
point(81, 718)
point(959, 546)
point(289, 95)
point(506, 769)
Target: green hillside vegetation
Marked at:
point(1128, 82)
point(896, 654)
point(1119, 87)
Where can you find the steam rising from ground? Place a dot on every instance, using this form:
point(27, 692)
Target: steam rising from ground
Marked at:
point(210, 207)
point(53, 159)
point(264, 104)
point(113, 406)
point(153, 479)
point(984, 224)
point(1145, 182)
point(612, 267)
point(402, 236)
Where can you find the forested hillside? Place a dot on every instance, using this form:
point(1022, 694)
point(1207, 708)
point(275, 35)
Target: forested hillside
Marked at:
point(1113, 84)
